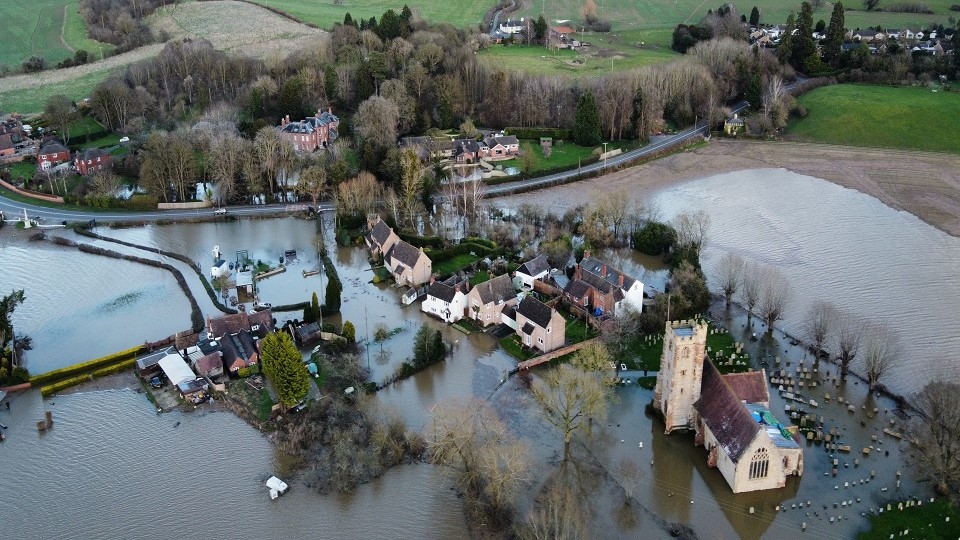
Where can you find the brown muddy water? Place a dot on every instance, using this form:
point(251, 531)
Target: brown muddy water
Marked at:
point(110, 452)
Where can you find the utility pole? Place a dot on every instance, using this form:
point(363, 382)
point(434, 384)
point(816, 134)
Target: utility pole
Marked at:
point(366, 339)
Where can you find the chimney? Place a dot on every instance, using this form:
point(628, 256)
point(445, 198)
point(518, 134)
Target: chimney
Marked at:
point(586, 254)
point(457, 287)
point(287, 118)
point(603, 271)
point(620, 281)
point(432, 279)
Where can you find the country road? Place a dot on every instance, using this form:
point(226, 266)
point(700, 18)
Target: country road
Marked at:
point(14, 209)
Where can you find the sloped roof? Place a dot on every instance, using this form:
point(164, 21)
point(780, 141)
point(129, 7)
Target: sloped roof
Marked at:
point(527, 329)
point(208, 363)
point(723, 412)
point(750, 387)
point(441, 290)
point(380, 232)
point(406, 253)
point(535, 266)
point(536, 311)
point(53, 148)
point(92, 153)
point(596, 267)
point(577, 288)
point(509, 312)
point(231, 324)
point(496, 289)
point(505, 140)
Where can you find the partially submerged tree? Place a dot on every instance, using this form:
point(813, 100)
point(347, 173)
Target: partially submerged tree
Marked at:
point(283, 365)
point(570, 398)
point(558, 515)
point(730, 271)
point(848, 338)
point(774, 296)
point(751, 287)
point(880, 350)
point(818, 327)
point(935, 434)
point(488, 463)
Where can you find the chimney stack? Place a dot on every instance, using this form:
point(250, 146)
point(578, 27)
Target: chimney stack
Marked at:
point(586, 254)
point(620, 281)
point(603, 271)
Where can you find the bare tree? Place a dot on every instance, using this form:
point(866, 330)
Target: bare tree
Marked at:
point(935, 434)
point(59, 114)
point(488, 463)
point(377, 120)
point(266, 146)
point(225, 161)
point(313, 181)
point(617, 204)
point(774, 296)
point(751, 287)
point(359, 196)
point(570, 398)
point(848, 337)
point(595, 359)
point(411, 185)
point(880, 350)
point(821, 318)
point(628, 475)
point(558, 515)
point(104, 182)
point(730, 271)
point(692, 229)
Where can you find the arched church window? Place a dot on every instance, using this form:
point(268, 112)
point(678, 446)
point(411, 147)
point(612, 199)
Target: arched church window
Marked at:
point(759, 464)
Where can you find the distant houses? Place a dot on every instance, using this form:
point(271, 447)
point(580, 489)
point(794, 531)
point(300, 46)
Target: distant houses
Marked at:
point(492, 148)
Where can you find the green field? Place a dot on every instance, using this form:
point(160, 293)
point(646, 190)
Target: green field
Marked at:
point(860, 115)
point(566, 155)
point(324, 13)
point(601, 59)
point(32, 101)
point(34, 29)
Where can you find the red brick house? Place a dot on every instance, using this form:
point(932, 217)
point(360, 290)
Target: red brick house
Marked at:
point(52, 154)
point(311, 133)
point(6, 145)
point(91, 160)
point(492, 148)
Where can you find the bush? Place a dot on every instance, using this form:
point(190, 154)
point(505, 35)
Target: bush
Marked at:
point(243, 372)
point(110, 370)
point(654, 238)
point(536, 133)
point(909, 7)
point(63, 384)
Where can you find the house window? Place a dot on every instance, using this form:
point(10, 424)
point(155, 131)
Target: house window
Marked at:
point(759, 464)
point(540, 340)
point(548, 330)
point(683, 372)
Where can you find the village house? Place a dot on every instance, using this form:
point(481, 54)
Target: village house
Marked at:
point(493, 148)
point(311, 133)
point(183, 378)
point(6, 145)
point(428, 148)
point(409, 265)
point(260, 323)
point(539, 325)
point(50, 154)
point(237, 338)
point(446, 299)
point(91, 160)
point(468, 150)
point(733, 126)
point(602, 289)
point(380, 238)
point(729, 414)
point(486, 301)
point(867, 36)
point(206, 357)
point(240, 350)
point(530, 271)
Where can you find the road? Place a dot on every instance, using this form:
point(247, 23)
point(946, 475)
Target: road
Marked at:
point(14, 209)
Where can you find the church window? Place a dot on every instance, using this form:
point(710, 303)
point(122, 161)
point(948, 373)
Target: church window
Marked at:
point(759, 464)
point(683, 372)
point(686, 353)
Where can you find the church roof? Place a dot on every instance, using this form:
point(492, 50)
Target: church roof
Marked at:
point(724, 413)
point(750, 386)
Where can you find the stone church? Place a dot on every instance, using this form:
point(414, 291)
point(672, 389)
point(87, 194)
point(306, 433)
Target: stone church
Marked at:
point(729, 414)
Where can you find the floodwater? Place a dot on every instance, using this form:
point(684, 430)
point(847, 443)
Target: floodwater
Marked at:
point(157, 475)
point(832, 243)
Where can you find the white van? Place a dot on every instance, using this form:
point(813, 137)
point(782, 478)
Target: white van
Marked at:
point(220, 212)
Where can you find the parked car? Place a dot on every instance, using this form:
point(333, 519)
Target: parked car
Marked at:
point(156, 381)
point(220, 211)
point(124, 139)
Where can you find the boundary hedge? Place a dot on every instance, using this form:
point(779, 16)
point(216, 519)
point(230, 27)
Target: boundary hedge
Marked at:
point(83, 368)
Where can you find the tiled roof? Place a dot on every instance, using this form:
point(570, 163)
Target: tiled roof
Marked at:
point(509, 312)
point(535, 266)
point(498, 289)
point(52, 148)
point(596, 267)
point(750, 387)
point(92, 153)
point(723, 412)
point(380, 232)
point(527, 329)
point(209, 363)
point(536, 311)
point(577, 288)
point(441, 290)
point(405, 253)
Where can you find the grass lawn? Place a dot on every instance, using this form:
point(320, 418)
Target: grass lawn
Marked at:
point(612, 53)
point(862, 115)
point(644, 353)
point(479, 277)
point(85, 125)
point(566, 155)
point(512, 345)
point(928, 521)
point(325, 14)
point(22, 169)
point(112, 139)
point(577, 330)
point(450, 266)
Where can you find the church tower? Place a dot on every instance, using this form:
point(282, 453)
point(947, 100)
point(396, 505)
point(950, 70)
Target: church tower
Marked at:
point(681, 371)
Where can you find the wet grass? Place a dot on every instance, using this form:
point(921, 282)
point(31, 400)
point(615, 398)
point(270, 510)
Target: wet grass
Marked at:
point(932, 521)
point(32, 100)
point(454, 264)
point(880, 116)
point(479, 277)
point(514, 348)
point(34, 29)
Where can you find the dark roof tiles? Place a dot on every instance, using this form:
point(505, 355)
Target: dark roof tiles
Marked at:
point(498, 289)
point(406, 253)
point(723, 412)
point(536, 311)
point(535, 266)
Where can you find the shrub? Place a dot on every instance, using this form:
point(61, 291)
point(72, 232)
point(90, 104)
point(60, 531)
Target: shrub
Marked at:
point(243, 372)
point(536, 133)
point(654, 238)
point(63, 384)
point(85, 367)
point(909, 7)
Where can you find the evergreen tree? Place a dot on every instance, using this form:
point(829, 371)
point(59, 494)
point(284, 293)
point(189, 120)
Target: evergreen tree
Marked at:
point(349, 332)
point(283, 365)
point(832, 45)
point(348, 20)
point(406, 21)
point(372, 24)
point(753, 93)
point(956, 49)
point(540, 29)
point(438, 350)
point(389, 26)
point(307, 315)
point(802, 44)
point(821, 26)
point(785, 48)
point(314, 307)
point(754, 16)
point(586, 122)
point(331, 301)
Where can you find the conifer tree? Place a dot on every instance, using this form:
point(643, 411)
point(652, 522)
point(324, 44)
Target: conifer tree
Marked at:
point(283, 365)
point(754, 16)
point(586, 122)
point(832, 45)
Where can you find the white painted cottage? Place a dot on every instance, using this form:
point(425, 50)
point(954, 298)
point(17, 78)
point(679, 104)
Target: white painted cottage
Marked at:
point(446, 300)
